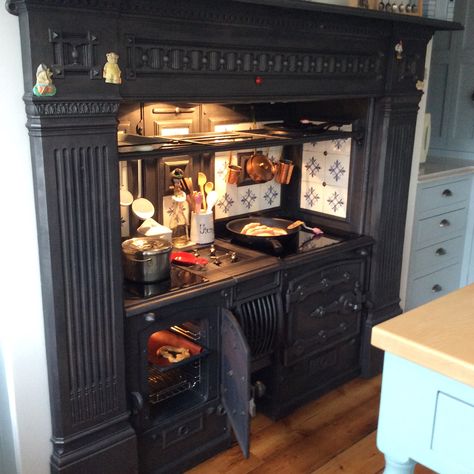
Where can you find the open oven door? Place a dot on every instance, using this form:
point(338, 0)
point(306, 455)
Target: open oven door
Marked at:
point(235, 379)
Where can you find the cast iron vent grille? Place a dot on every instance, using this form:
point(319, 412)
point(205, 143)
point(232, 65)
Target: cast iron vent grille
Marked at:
point(259, 321)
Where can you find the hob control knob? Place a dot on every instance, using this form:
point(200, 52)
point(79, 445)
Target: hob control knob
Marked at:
point(212, 251)
point(233, 257)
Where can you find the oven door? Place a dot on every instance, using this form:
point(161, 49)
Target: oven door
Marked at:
point(323, 308)
point(235, 379)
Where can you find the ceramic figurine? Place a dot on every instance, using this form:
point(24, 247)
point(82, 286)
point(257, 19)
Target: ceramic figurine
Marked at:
point(399, 50)
point(44, 84)
point(112, 73)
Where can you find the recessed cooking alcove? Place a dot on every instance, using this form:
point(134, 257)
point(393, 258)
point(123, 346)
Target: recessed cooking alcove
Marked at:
point(284, 57)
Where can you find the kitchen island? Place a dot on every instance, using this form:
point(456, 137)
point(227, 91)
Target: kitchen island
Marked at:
point(427, 404)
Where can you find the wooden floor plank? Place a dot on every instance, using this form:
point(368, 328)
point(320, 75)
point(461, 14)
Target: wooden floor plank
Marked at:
point(322, 444)
point(332, 435)
point(361, 458)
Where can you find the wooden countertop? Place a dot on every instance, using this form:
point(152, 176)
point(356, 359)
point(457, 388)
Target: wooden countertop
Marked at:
point(438, 335)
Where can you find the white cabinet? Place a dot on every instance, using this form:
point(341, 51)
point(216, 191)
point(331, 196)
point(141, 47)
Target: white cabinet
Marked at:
point(442, 238)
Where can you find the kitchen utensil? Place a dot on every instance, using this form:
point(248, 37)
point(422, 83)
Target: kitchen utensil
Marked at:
point(197, 196)
point(141, 207)
point(233, 173)
point(208, 187)
point(189, 184)
point(146, 259)
point(126, 197)
point(235, 227)
point(260, 168)
point(212, 198)
point(187, 258)
point(284, 170)
point(296, 224)
point(202, 180)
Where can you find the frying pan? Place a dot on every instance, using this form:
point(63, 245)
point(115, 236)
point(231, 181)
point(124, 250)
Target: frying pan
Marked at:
point(276, 241)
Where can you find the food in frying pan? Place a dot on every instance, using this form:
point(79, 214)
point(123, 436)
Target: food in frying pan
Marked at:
point(261, 230)
point(173, 354)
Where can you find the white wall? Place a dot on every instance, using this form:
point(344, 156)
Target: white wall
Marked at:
point(25, 422)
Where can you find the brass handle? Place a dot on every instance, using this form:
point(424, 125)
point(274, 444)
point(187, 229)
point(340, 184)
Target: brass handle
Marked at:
point(447, 193)
point(436, 288)
point(444, 223)
point(440, 251)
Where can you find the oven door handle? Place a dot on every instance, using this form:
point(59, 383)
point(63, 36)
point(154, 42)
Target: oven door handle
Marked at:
point(137, 402)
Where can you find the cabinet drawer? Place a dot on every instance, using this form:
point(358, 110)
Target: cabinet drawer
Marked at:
point(445, 194)
point(438, 255)
point(434, 285)
point(441, 227)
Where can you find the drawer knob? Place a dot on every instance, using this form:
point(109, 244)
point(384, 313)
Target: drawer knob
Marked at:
point(436, 288)
point(447, 193)
point(440, 251)
point(444, 223)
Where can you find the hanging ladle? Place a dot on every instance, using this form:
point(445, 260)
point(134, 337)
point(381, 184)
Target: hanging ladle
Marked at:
point(315, 230)
point(126, 197)
point(141, 207)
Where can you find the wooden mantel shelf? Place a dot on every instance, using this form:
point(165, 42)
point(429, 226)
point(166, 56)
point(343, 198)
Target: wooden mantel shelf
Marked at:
point(438, 335)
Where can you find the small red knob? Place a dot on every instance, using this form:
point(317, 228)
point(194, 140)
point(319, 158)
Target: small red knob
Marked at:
point(259, 80)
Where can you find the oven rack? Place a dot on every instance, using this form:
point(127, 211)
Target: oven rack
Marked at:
point(155, 147)
point(188, 330)
point(166, 385)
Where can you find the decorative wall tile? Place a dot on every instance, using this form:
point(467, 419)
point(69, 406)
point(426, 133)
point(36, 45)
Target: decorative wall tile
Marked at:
point(270, 195)
point(249, 198)
point(313, 165)
point(334, 200)
point(274, 152)
point(325, 173)
point(221, 161)
point(235, 200)
point(337, 170)
point(228, 203)
point(311, 196)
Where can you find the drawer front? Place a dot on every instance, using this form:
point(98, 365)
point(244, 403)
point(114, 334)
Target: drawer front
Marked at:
point(441, 227)
point(434, 285)
point(438, 255)
point(440, 195)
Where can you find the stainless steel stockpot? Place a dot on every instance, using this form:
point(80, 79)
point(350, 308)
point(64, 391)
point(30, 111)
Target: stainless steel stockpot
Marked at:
point(146, 259)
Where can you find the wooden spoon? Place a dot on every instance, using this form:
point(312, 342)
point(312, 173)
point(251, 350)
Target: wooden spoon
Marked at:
point(209, 186)
point(202, 180)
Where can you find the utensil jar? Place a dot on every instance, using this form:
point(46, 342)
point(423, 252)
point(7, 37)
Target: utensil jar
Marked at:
point(202, 228)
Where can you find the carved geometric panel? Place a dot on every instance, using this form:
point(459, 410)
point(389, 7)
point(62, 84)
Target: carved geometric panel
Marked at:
point(74, 52)
point(147, 57)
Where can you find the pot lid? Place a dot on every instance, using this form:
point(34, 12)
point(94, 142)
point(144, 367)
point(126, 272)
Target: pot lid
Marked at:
point(260, 168)
point(146, 246)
